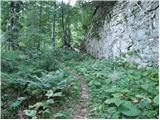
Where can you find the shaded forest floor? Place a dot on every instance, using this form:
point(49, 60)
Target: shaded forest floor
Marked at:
point(80, 106)
point(66, 84)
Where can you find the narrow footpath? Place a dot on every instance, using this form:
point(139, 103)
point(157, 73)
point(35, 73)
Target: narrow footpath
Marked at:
point(80, 111)
point(80, 108)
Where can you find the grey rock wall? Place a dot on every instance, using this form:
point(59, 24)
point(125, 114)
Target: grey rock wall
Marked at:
point(129, 30)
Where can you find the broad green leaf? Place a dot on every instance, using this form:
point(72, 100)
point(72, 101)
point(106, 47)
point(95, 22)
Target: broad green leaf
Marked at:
point(37, 105)
point(50, 101)
point(15, 104)
point(117, 95)
point(49, 93)
point(128, 109)
point(35, 117)
point(30, 113)
point(21, 98)
point(36, 92)
point(90, 83)
point(111, 110)
point(143, 103)
point(18, 102)
point(116, 101)
point(46, 113)
point(116, 115)
point(59, 115)
point(149, 88)
point(97, 83)
point(31, 106)
point(57, 94)
point(156, 100)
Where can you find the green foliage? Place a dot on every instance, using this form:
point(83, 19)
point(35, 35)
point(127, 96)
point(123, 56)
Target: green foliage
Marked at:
point(131, 53)
point(10, 61)
point(43, 88)
point(117, 89)
point(18, 102)
point(156, 100)
point(60, 115)
point(34, 22)
point(36, 81)
point(30, 113)
point(128, 109)
point(120, 90)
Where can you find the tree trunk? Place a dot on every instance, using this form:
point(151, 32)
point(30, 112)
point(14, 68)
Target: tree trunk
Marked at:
point(40, 23)
point(68, 28)
point(63, 37)
point(13, 26)
point(53, 25)
point(84, 23)
point(84, 27)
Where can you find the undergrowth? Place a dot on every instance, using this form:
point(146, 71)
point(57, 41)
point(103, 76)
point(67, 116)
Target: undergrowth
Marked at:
point(120, 90)
point(37, 86)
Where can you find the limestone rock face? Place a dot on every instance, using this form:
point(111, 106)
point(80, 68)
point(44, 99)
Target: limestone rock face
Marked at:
point(129, 30)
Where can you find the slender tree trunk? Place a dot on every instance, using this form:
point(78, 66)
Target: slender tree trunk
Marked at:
point(68, 28)
point(63, 27)
point(40, 23)
point(53, 25)
point(66, 33)
point(84, 23)
point(13, 26)
point(84, 27)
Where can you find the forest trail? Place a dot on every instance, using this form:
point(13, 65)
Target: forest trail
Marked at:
point(80, 107)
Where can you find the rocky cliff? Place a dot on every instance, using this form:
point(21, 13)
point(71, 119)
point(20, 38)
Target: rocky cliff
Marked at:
point(129, 30)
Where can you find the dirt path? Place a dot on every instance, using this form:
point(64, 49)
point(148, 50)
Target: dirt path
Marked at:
point(80, 107)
